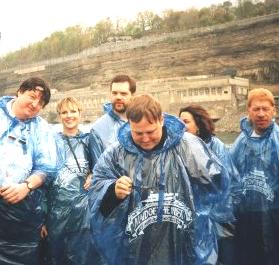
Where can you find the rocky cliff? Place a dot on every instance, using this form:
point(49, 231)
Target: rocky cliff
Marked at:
point(248, 48)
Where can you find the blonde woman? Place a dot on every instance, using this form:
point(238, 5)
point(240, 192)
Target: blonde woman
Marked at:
point(68, 211)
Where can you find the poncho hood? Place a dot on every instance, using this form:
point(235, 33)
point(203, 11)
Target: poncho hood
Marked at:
point(175, 131)
point(109, 110)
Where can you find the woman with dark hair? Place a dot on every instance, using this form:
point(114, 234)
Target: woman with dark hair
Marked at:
point(199, 123)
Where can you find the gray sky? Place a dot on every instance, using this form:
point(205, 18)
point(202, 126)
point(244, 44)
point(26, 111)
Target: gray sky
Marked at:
point(23, 22)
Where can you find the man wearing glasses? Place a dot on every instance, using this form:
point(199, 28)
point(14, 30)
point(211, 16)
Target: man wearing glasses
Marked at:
point(27, 157)
point(154, 190)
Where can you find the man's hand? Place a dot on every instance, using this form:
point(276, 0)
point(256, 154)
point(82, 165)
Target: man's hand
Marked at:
point(14, 193)
point(88, 182)
point(123, 187)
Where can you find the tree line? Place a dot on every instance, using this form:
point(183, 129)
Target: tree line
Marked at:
point(76, 38)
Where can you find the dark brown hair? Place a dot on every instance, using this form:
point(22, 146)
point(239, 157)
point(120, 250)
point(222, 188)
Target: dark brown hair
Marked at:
point(34, 83)
point(144, 106)
point(202, 120)
point(125, 78)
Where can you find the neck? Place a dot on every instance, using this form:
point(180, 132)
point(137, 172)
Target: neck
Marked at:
point(121, 115)
point(70, 131)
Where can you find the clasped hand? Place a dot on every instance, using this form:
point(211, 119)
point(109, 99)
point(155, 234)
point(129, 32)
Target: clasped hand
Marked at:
point(14, 193)
point(123, 187)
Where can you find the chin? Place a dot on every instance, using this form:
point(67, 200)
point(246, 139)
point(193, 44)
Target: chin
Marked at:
point(147, 148)
point(120, 110)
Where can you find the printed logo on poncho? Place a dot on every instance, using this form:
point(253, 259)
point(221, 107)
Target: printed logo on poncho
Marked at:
point(70, 171)
point(174, 211)
point(256, 181)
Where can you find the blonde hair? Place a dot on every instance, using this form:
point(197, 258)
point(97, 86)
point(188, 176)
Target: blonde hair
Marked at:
point(260, 94)
point(68, 101)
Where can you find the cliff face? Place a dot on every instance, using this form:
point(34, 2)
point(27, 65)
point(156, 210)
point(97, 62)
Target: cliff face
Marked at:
point(248, 48)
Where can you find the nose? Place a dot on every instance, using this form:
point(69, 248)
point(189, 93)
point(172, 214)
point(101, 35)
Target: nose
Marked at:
point(261, 113)
point(145, 138)
point(118, 96)
point(36, 103)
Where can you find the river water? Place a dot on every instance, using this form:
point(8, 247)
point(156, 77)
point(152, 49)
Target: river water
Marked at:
point(227, 137)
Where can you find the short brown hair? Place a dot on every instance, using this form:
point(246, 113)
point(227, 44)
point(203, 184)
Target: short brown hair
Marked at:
point(68, 101)
point(260, 94)
point(202, 119)
point(125, 78)
point(144, 106)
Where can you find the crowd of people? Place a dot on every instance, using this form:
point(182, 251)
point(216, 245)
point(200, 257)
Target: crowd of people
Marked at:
point(142, 187)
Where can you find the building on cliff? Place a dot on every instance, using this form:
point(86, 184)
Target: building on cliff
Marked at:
point(218, 94)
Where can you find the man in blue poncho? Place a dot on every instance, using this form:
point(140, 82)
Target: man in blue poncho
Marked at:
point(154, 190)
point(122, 88)
point(256, 156)
point(27, 157)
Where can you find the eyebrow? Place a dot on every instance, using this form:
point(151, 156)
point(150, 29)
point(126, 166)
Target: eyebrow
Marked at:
point(146, 131)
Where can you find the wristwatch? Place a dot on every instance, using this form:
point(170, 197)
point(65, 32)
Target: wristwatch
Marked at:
point(29, 185)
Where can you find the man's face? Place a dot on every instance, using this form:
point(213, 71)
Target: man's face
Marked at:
point(70, 117)
point(29, 104)
point(120, 96)
point(260, 114)
point(145, 134)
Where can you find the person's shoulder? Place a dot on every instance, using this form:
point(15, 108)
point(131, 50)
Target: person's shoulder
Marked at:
point(38, 121)
point(189, 138)
point(113, 151)
point(217, 141)
point(191, 142)
point(83, 135)
point(276, 127)
point(276, 131)
point(101, 121)
point(239, 143)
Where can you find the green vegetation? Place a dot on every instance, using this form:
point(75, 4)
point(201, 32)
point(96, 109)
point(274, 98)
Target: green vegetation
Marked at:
point(76, 39)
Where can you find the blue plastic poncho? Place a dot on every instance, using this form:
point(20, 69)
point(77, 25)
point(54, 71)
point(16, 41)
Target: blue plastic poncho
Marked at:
point(68, 216)
point(108, 125)
point(223, 212)
point(257, 160)
point(26, 148)
point(174, 189)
